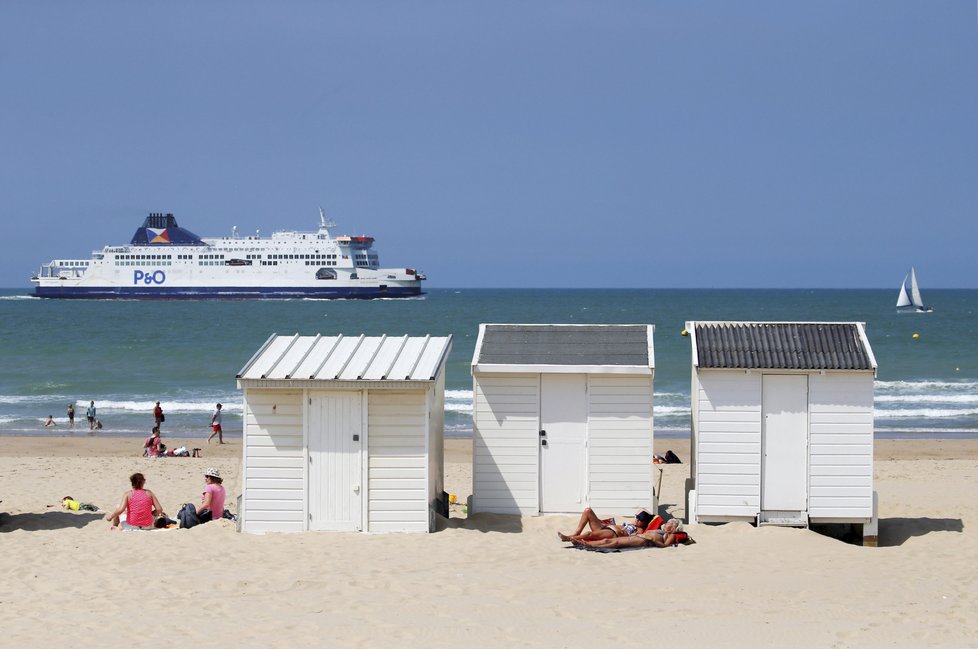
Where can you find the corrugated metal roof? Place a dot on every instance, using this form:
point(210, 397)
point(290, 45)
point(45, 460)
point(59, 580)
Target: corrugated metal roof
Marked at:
point(348, 358)
point(595, 345)
point(782, 345)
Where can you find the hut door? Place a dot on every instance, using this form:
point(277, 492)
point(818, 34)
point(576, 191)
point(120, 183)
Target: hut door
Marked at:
point(784, 443)
point(562, 439)
point(335, 443)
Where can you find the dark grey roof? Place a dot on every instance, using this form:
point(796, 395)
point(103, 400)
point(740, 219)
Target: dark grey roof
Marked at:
point(781, 345)
point(565, 345)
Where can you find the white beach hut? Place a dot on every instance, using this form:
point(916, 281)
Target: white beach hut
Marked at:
point(782, 424)
point(344, 433)
point(562, 418)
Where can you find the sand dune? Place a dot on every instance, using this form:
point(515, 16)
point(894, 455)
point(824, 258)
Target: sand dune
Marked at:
point(484, 580)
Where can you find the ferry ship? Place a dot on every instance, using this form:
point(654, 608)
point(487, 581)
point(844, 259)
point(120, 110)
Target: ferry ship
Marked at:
point(166, 261)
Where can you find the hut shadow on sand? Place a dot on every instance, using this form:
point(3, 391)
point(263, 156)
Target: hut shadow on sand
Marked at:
point(897, 531)
point(504, 523)
point(893, 532)
point(45, 521)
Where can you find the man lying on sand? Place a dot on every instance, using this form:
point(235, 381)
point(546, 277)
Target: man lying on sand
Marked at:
point(605, 528)
point(671, 533)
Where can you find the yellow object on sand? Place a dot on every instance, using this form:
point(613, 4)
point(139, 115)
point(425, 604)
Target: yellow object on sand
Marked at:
point(68, 503)
point(452, 499)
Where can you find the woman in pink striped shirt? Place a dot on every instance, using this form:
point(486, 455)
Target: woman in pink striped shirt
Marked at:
point(140, 505)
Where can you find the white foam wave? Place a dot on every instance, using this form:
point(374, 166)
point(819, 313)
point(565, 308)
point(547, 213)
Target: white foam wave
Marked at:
point(927, 398)
point(458, 407)
point(168, 406)
point(905, 386)
point(458, 395)
point(34, 398)
point(19, 297)
point(929, 413)
point(671, 410)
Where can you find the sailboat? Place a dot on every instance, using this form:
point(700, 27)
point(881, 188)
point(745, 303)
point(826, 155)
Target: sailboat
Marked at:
point(909, 300)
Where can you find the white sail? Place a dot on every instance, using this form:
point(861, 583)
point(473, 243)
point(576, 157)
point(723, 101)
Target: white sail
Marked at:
point(915, 298)
point(909, 299)
point(903, 299)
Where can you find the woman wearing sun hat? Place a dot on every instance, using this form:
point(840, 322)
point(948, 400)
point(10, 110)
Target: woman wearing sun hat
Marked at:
point(213, 495)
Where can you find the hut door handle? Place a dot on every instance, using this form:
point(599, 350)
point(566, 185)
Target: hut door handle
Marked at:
point(356, 438)
point(543, 442)
point(543, 433)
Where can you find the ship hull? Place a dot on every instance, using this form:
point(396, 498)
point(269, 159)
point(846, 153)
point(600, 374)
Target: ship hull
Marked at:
point(225, 292)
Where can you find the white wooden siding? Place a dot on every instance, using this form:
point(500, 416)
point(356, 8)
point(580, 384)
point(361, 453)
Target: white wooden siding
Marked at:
point(619, 443)
point(436, 447)
point(397, 481)
point(840, 445)
point(505, 471)
point(274, 462)
point(728, 443)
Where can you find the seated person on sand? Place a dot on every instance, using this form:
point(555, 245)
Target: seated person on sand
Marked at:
point(212, 498)
point(668, 534)
point(605, 529)
point(153, 447)
point(140, 505)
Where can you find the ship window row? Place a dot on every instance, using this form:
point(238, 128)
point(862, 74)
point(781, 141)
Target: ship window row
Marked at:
point(299, 257)
point(269, 263)
point(146, 257)
point(320, 263)
point(210, 263)
point(72, 264)
point(143, 263)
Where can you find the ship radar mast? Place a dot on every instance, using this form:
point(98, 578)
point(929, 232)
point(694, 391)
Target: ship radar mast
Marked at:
point(324, 224)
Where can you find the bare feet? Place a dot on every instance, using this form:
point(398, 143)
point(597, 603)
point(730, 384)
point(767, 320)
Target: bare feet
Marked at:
point(564, 537)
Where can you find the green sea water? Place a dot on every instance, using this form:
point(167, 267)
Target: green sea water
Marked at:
point(125, 355)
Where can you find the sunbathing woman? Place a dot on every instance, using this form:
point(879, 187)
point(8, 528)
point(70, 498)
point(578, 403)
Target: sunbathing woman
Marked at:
point(663, 537)
point(600, 529)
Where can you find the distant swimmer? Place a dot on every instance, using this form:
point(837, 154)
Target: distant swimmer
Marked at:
point(98, 424)
point(49, 422)
point(158, 414)
point(71, 415)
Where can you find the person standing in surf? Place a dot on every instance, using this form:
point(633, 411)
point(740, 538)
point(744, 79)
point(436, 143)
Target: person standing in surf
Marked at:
point(90, 413)
point(216, 426)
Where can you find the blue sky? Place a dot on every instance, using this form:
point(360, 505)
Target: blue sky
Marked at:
point(507, 144)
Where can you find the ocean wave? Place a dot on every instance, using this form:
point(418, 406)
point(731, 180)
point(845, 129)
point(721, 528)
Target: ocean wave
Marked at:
point(927, 398)
point(169, 407)
point(35, 398)
point(671, 410)
point(904, 386)
point(458, 395)
point(924, 413)
point(19, 297)
point(458, 407)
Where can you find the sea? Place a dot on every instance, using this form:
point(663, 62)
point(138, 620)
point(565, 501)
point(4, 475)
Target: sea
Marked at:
point(126, 355)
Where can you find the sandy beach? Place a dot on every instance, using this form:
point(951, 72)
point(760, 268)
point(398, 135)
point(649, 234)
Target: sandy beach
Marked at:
point(485, 579)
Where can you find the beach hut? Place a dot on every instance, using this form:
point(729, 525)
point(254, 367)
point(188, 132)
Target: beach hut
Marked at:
point(562, 418)
point(782, 423)
point(344, 433)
